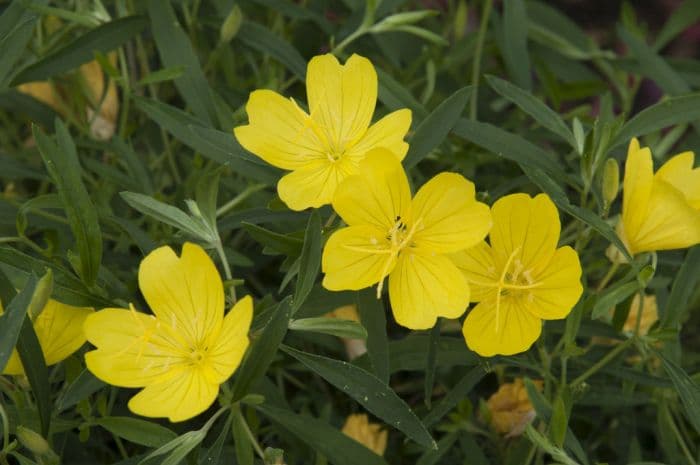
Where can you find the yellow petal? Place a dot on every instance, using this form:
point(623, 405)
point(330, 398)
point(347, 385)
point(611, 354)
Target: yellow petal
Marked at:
point(559, 286)
point(313, 185)
point(679, 173)
point(447, 216)
point(131, 351)
point(478, 265)
point(279, 132)
point(43, 91)
point(387, 133)
point(525, 228)
point(516, 331)
point(353, 259)
point(59, 329)
point(180, 398)
point(639, 176)
point(341, 97)
point(14, 365)
point(668, 223)
point(185, 293)
point(377, 195)
point(423, 287)
point(232, 342)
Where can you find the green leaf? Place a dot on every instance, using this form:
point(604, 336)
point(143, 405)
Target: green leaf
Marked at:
point(433, 129)
point(16, 30)
point(433, 456)
point(322, 438)
point(263, 350)
point(165, 74)
point(395, 96)
point(309, 261)
point(137, 431)
point(241, 441)
point(558, 422)
point(515, 54)
point(175, 49)
point(282, 243)
point(213, 455)
point(167, 214)
point(684, 285)
point(653, 65)
point(263, 40)
point(687, 389)
point(669, 112)
point(104, 38)
point(534, 107)
point(62, 164)
point(176, 449)
point(454, 396)
point(333, 326)
point(684, 16)
point(11, 321)
point(215, 145)
point(373, 318)
point(84, 385)
point(431, 364)
point(611, 297)
point(369, 391)
point(510, 146)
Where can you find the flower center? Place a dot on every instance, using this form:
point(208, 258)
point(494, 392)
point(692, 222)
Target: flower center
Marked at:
point(197, 356)
point(334, 155)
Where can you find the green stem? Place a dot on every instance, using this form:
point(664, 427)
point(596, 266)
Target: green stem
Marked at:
point(679, 437)
point(237, 200)
point(602, 362)
point(5, 428)
point(227, 269)
point(253, 440)
point(608, 276)
point(476, 66)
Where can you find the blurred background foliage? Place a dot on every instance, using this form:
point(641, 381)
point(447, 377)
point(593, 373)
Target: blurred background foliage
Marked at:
point(516, 95)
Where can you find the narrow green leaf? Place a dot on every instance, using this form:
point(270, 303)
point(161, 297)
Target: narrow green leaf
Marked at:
point(434, 128)
point(610, 298)
point(515, 54)
point(61, 161)
point(104, 38)
point(213, 455)
point(684, 285)
point(84, 385)
point(558, 422)
point(241, 441)
point(431, 365)
point(534, 107)
point(175, 49)
point(458, 392)
point(137, 431)
point(16, 29)
point(433, 456)
point(687, 389)
point(684, 16)
point(263, 351)
point(282, 243)
point(395, 96)
point(167, 214)
point(373, 317)
point(263, 40)
point(369, 391)
point(215, 145)
point(669, 112)
point(309, 261)
point(165, 74)
point(12, 318)
point(321, 437)
point(333, 326)
point(510, 146)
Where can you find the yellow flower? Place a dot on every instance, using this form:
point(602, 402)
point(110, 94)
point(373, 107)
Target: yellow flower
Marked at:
point(521, 278)
point(659, 211)
point(510, 408)
point(326, 146)
point(389, 234)
point(370, 435)
point(43, 91)
point(59, 330)
point(181, 355)
point(102, 123)
point(650, 315)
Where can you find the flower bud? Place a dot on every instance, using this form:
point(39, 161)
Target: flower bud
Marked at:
point(41, 295)
point(611, 181)
point(36, 444)
point(231, 25)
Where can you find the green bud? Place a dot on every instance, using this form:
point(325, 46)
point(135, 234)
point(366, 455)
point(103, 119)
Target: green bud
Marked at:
point(461, 17)
point(274, 456)
point(33, 441)
point(43, 291)
point(611, 181)
point(231, 25)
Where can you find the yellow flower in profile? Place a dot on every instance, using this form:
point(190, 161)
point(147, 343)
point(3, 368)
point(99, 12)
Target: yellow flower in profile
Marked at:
point(510, 408)
point(183, 353)
point(59, 331)
point(390, 234)
point(519, 279)
point(370, 435)
point(659, 211)
point(650, 315)
point(323, 147)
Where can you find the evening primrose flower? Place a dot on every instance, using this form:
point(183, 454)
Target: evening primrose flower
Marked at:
point(370, 435)
point(650, 315)
point(59, 331)
point(519, 279)
point(389, 234)
point(659, 211)
point(323, 147)
point(187, 349)
point(510, 409)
